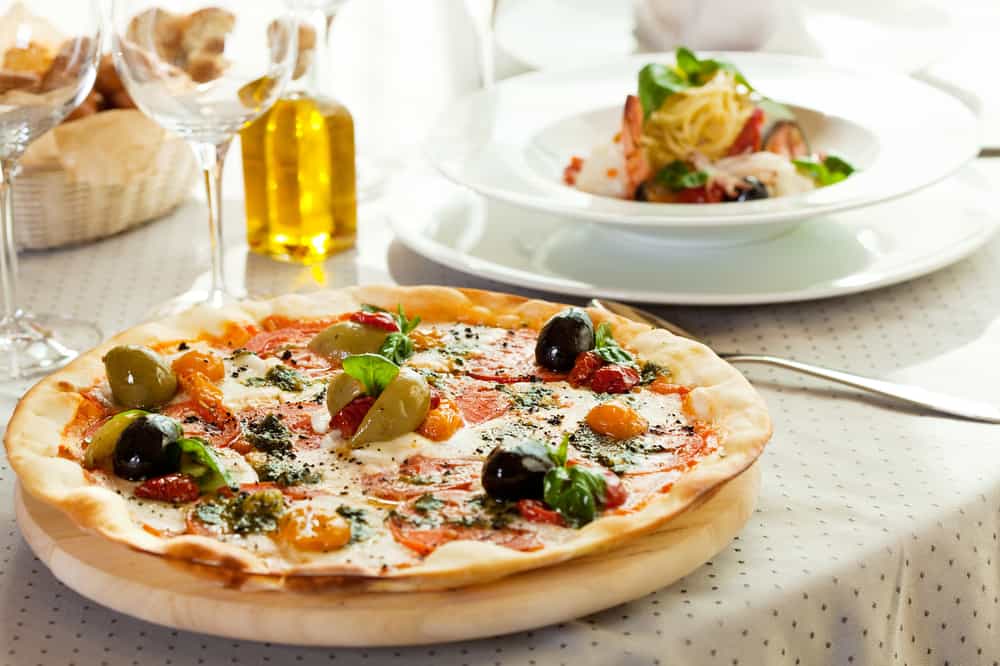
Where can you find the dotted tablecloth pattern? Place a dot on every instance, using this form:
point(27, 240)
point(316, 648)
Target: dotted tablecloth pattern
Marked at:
point(875, 540)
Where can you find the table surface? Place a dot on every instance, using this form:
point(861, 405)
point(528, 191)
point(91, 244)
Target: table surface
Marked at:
point(876, 536)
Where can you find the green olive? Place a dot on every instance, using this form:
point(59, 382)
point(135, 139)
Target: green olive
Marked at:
point(342, 389)
point(348, 337)
point(103, 441)
point(400, 409)
point(139, 377)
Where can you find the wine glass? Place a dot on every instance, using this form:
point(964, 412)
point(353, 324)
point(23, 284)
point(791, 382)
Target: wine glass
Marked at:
point(48, 62)
point(204, 69)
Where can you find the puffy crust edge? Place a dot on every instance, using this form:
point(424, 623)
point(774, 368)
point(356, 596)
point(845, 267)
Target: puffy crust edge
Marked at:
point(722, 396)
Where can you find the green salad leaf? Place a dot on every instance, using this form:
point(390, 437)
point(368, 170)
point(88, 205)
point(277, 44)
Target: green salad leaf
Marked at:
point(830, 170)
point(658, 82)
point(678, 175)
point(374, 371)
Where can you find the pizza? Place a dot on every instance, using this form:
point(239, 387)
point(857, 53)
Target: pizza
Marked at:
point(394, 438)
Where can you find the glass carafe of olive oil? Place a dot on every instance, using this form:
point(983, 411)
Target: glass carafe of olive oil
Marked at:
point(298, 163)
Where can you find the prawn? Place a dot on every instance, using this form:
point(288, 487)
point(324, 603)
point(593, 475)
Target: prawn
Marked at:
point(637, 169)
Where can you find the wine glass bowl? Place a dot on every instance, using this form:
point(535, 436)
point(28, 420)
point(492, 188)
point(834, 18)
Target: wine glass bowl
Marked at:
point(48, 63)
point(203, 75)
point(203, 72)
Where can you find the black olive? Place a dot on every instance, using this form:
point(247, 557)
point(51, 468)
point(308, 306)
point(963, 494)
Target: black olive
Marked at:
point(516, 470)
point(563, 337)
point(144, 448)
point(752, 190)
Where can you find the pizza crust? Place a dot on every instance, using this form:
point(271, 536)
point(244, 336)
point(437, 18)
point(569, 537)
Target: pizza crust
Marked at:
point(722, 396)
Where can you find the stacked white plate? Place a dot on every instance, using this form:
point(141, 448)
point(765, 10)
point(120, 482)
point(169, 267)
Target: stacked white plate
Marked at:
point(506, 213)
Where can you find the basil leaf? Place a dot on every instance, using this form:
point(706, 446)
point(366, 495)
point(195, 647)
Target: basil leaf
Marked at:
point(656, 84)
point(688, 62)
point(397, 348)
point(836, 166)
point(602, 334)
point(679, 176)
point(558, 457)
point(575, 492)
point(374, 371)
point(199, 460)
point(369, 308)
point(405, 325)
point(830, 171)
point(608, 348)
point(615, 355)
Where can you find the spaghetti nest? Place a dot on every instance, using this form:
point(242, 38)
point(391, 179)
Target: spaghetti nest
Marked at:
point(706, 119)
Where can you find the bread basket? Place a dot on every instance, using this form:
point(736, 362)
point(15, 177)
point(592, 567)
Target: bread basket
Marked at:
point(99, 176)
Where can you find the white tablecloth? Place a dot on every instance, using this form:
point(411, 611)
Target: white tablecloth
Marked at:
point(876, 537)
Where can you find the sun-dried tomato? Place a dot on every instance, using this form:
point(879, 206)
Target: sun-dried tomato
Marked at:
point(614, 379)
point(586, 364)
point(176, 488)
point(382, 320)
point(350, 417)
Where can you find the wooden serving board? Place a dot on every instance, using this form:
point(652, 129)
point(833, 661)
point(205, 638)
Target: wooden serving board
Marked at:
point(149, 588)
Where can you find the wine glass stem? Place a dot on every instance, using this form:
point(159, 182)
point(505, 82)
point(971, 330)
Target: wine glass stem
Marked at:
point(8, 257)
point(212, 157)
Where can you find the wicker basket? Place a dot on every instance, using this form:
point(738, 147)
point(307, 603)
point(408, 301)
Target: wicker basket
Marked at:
point(53, 207)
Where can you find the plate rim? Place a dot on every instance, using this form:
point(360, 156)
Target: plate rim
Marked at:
point(409, 235)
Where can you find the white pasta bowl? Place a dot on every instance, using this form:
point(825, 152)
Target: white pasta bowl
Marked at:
point(512, 142)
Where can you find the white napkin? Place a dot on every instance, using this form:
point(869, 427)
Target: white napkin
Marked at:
point(714, 25)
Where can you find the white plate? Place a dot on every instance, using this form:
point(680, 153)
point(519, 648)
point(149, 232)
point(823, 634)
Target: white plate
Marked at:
point(902, 36)
point(829, 256)
point(512, 143)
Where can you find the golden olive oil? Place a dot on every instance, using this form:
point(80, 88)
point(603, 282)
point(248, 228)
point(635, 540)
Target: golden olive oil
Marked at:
point(299, 178)
point(298, 163)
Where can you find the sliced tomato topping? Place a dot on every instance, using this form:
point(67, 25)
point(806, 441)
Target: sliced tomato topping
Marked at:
point(289, 345)
point(536, 512)
point(644, 487)
point(426, 540)
point(296, 416)
point(482, 403)
point(507, 360)
point(219, 429)
point(422, 474)
point(453, 517)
